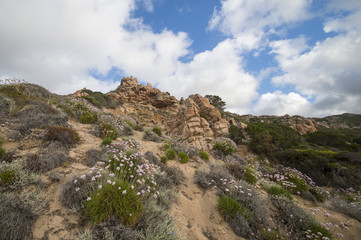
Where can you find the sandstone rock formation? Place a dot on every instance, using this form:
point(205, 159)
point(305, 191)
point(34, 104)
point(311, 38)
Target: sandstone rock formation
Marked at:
point(198, 122)
point(130, 91)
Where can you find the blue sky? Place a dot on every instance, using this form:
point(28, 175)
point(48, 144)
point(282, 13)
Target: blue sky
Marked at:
point(261, 56)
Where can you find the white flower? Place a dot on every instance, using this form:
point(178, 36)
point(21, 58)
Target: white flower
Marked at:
point(76, 180)
point(100, 186)
point(124, 192)
point(77, 189)
point(88, 199)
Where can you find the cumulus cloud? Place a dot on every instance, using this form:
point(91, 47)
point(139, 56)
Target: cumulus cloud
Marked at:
point(58, 43)
point(279, 103)
point(216, 72)
point(329, 71)
point(256, 19)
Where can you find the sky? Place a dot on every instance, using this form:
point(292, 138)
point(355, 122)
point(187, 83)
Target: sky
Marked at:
point(274, 57)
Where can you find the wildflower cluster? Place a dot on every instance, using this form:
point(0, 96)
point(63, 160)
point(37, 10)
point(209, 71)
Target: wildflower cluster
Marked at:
point(329, 226)
point(295, 182)
point(122, 181)
point(350, 195)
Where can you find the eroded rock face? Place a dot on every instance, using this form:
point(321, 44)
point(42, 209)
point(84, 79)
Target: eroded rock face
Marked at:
point(302, 126)
point(130, 91)
point(198, 122)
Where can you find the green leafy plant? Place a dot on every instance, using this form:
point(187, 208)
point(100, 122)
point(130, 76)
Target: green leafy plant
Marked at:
point(250, 176)
point(107, 141)
point(204, 155)
point(108, 131)
point(157, 130)
point(183, 157)
point(118, 200)
point(88, 117)
point(225, 146)
point(170, 154)
point(7, 177)
point(278, 190)
point(229, 207)
point(235, 134)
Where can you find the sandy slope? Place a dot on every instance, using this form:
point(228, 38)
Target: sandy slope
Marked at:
point(57, 222)
point(196, 211)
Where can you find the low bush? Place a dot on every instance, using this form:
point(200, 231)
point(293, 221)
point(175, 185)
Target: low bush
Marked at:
point(350, 209)
point(250, 176)
point(65, 135)
point(74, 192)
point(118, 199)
point(183, 157)
point(16, 218)
point(107, 141)
point(7, 177)
point(54, 156)
point(275, 189)
point(299, 223)
point(229, 208)
point(236, 134)
point(108, 131)
point(170, 154)
point(113, 229)
point(166, 146)
point(15, 176)
point(92, 156)
point(88, 117)
point(151, 136)
point(157, 130)
point(204, 155)
point(156, 224)
point(225, 146)
point(203, 178)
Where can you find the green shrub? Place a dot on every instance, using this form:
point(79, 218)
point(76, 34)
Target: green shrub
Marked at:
point(268, 138)
point(204, 155)
point(170, 154)
point(2, 153)
point(167, 146)
point(236, 134)
point(88, 117)
point(107, 141)
point(225, 146)
point(118, 200)
point(15, 175)
point(130, 123)
point(108, 131)
point(7, 177)
point(151, 136)
point(183, 157)
point(319, 197)
point(278, 190)
point(157, 130)
point(163, 159)
point(65, 135)
point(250, 176)
point(228, 207)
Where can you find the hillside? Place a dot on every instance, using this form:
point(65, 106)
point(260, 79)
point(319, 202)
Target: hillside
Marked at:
point(136, 163)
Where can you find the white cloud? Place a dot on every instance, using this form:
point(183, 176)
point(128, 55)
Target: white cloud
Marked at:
point(330, 70)
point(255, 19)
point(216, 72)
point(56, 43)
point(278, 103)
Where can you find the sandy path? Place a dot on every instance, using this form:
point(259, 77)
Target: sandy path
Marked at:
point(196, 211)
point(57, 222)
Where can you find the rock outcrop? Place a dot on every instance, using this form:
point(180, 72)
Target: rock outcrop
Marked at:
point(130, 91)
point(198, 122)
